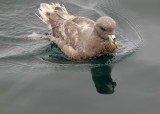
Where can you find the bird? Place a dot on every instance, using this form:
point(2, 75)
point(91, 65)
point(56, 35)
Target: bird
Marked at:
point(79, 38)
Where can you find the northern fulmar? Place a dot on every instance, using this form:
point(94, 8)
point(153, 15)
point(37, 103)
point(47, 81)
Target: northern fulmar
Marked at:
point(78, 37)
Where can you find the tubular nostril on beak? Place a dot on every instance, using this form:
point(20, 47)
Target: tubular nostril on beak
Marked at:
point(113, 39)
point(115, 42)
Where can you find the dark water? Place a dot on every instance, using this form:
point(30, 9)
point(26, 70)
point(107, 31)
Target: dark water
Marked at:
point(36, 78)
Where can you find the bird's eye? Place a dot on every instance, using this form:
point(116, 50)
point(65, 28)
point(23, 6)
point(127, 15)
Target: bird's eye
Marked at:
point(103, 29)
point(47, 13)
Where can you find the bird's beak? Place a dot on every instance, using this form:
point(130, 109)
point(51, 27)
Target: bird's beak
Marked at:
point(113, 39)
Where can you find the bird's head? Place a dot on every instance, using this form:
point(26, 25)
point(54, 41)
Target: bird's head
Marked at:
point(105, 27)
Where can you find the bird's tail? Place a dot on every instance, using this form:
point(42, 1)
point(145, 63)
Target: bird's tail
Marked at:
point(46, 9)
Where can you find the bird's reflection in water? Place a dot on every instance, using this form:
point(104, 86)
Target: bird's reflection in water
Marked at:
point(102, 79)
point(101, 75)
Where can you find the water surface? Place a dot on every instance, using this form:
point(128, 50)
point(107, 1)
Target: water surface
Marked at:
point(36, 78)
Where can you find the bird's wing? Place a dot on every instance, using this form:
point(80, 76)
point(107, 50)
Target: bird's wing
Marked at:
point(83, 22)
point(65, 15)
point(69, 32)
point(66, 36)
point(70, 36)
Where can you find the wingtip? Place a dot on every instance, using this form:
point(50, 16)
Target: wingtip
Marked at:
point(40, 18)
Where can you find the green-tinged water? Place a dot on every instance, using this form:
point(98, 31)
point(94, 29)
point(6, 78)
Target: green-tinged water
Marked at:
point(36, 77)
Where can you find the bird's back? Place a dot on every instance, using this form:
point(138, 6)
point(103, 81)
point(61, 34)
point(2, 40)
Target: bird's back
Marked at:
point(63, 26)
